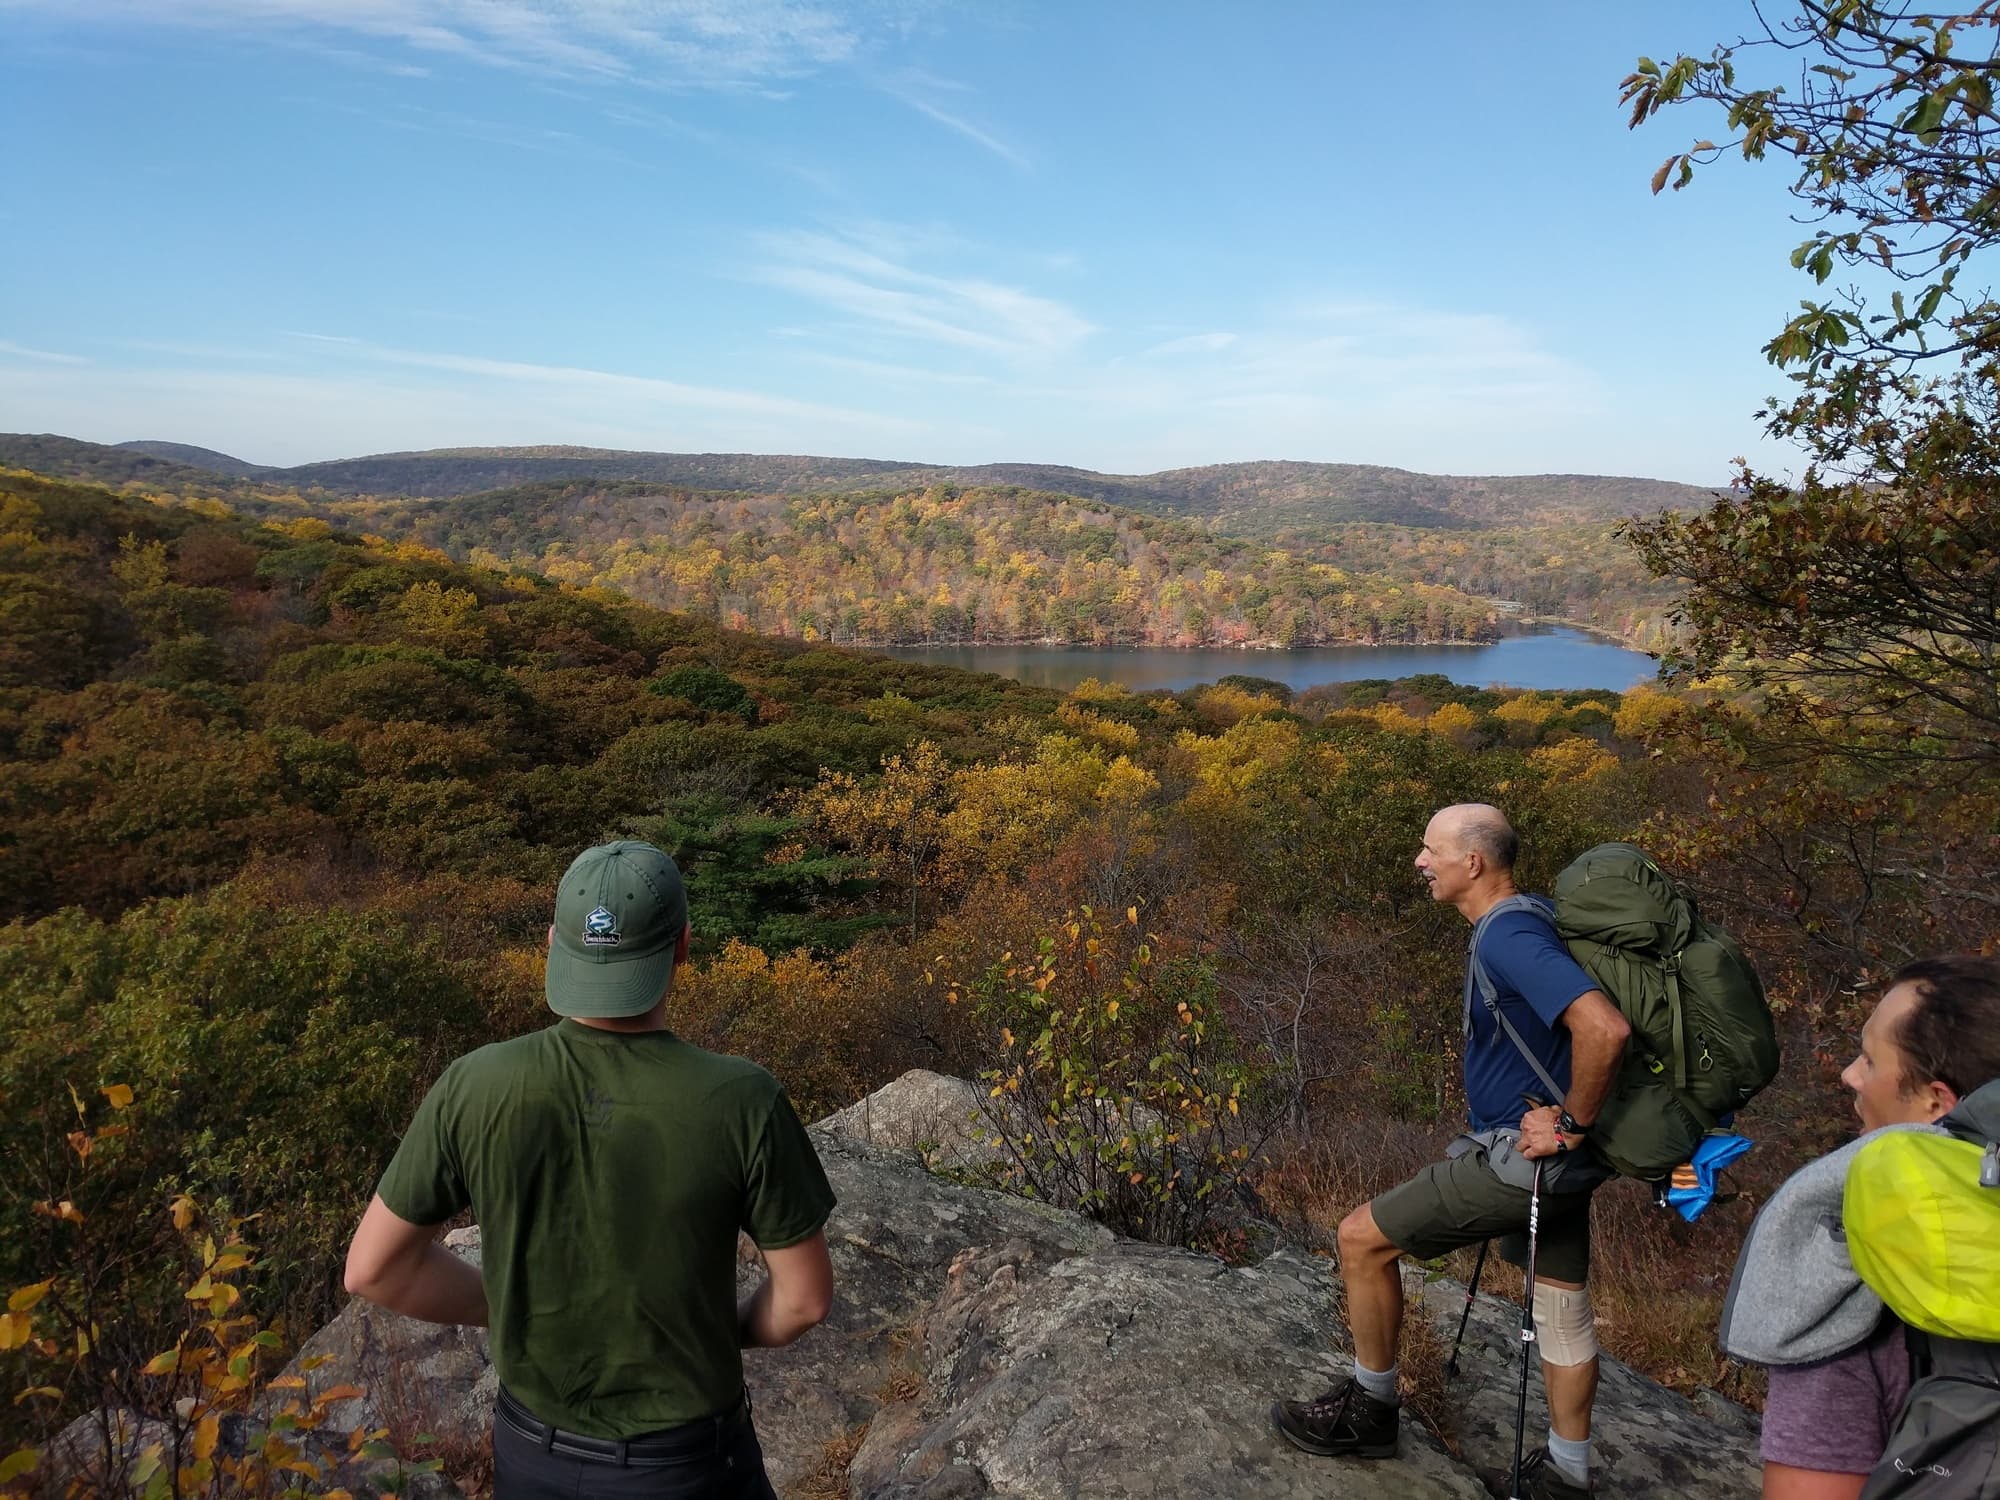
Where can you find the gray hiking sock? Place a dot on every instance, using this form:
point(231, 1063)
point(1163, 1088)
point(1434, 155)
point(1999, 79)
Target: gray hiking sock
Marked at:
point(1572, 1459)
point(1381, 1384)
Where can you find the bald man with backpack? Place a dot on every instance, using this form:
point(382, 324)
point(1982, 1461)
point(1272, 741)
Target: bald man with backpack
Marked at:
point(1546, 1019)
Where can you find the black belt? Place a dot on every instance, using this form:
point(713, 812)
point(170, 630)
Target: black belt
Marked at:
point(664, 1446)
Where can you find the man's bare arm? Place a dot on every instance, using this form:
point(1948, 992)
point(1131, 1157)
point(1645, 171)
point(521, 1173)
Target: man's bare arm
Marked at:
point(796, 1296)
point(401, 1266)
point(1597, 1036)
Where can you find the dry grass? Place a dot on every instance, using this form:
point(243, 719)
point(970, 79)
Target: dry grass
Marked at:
point(1422, 1380)
point(468, 1464)
point(904, 1380)
point(827, 1478)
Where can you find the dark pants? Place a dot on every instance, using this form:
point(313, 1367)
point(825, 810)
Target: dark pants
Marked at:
point(716, 1458)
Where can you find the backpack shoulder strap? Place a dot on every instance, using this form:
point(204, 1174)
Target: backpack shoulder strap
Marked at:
point(1479, 981)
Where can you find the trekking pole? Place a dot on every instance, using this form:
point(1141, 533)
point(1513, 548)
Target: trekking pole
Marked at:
point(1451, 1365)
point(1527, 1329)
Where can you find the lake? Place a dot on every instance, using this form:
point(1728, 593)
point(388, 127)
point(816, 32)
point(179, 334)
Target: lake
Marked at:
point(1542, 658)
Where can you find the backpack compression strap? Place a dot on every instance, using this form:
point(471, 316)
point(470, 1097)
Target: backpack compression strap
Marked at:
point(1479, 982)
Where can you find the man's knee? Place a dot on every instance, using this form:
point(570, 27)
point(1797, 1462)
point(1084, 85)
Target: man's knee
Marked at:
point(1565, 1326)
point(1361, 1239)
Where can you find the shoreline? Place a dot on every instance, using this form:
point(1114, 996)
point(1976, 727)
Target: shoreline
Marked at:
point(1542, 626)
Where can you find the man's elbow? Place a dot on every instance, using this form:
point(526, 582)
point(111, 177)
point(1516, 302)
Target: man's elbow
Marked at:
point(369, 1274)
point(817, 1305)
point(806, 1307)
point(1596, 1020)
point(360, 1278)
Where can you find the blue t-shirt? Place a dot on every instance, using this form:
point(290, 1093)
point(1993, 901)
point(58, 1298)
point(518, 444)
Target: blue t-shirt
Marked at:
point(1534, 981)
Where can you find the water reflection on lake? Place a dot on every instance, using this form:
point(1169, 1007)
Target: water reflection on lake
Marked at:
point(1552, 658)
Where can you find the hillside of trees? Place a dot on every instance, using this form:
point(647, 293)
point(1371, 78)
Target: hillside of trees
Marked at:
point(1307, 553)
point(1577, 571)
point(190, 456)
point(883, 567)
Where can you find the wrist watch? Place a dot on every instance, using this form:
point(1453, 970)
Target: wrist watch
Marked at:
point(1568, 1124)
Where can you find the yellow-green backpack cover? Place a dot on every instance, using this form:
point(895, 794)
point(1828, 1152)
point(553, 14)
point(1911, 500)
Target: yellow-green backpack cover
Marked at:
point(1924, 1234)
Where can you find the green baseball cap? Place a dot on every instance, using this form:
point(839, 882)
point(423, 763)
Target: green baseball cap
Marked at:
point(620, 911)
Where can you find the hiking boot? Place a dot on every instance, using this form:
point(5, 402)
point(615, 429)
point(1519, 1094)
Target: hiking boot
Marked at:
point(1542, 1480)
point(1346, 1422)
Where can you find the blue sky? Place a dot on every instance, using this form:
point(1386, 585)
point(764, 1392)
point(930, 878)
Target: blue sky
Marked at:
point(1128, 237)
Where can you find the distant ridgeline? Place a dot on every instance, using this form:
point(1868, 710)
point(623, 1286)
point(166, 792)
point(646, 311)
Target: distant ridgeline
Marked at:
point(820, 548)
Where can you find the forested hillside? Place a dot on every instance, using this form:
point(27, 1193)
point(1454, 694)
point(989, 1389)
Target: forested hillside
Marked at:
point(1305, 553)
point(884, 567)
point(1577, 571)
point(193, 457)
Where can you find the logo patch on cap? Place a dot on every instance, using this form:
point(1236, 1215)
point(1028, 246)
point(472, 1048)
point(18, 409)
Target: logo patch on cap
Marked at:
point(600, 929)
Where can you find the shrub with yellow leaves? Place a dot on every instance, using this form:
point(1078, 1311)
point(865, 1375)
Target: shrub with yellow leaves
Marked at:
point(1120, 1090)
point(204, 1417)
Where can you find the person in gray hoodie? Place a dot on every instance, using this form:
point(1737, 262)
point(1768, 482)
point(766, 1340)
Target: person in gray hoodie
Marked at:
point(1839, 1369)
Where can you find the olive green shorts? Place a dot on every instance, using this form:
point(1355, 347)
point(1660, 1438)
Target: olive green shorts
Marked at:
point(1460, 1202)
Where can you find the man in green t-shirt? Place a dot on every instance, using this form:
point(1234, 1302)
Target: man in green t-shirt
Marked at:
point(610, 1165)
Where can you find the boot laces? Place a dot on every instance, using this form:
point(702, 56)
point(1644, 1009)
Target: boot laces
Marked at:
point(1333, 1404)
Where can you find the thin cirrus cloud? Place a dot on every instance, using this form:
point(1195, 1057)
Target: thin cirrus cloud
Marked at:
point(44, 356)
point(868, 284)
point(967, 129)
point(1193, 343)
point(330, 395)
point(719, 42)
point(645, 390)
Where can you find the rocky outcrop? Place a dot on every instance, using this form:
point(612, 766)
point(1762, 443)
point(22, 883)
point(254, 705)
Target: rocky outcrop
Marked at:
point(984, 1345)
point(1133, 1372)
point(933, 1115)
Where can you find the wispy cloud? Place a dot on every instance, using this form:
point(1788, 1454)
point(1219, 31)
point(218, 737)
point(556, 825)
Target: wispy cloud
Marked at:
point(332, 398)
point(867, 277)
point(920, 91)
point(193, 351)
point(909, 375)
point(666, 393)
point(1193, 343)
point(970, 131)
point(723, 43)
point(22, 351)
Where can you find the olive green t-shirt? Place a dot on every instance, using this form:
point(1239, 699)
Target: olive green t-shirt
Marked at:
point(609, 1174)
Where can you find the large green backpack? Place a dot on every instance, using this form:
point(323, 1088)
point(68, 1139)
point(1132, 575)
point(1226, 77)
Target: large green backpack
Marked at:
point(1702, 1040)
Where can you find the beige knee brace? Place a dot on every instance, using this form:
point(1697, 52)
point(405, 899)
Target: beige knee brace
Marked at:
point(1565, 1327)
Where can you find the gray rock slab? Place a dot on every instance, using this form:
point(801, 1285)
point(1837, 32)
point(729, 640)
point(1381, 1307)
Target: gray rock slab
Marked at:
point(1132, 1372)
point(893, 1236)
point(933, 1116)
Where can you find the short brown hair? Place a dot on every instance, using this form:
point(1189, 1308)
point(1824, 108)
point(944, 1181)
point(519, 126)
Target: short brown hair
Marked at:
point(1952, 1035)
